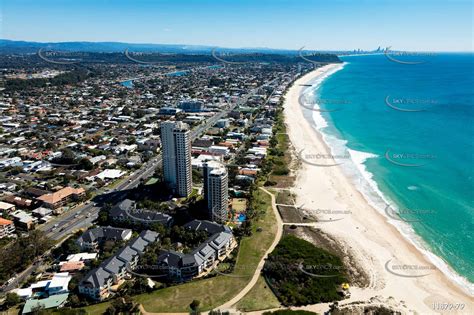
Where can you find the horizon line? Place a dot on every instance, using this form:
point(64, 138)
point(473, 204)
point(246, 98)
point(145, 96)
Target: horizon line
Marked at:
point(224, 47)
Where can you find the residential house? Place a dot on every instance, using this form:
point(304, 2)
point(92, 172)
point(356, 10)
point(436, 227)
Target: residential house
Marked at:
point(6, 207)
point(54, 301)
point(18, 201)
point(23, 220)
point(7, 228)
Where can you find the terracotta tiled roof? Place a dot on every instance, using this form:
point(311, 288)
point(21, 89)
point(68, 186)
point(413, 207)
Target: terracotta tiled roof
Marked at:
point(72, 265)
point(60, 195)
point(5, 221)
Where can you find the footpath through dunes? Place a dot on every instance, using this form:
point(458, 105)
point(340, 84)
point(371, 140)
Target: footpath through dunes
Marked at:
point(258, 270)
point(363, 231)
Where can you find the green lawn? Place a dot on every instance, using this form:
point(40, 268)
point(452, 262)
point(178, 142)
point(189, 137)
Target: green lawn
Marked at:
point(97, 308)
point(259, 298)
point(213, 292)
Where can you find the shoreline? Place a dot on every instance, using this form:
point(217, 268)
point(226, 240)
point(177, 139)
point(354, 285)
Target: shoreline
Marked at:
point(366, 232)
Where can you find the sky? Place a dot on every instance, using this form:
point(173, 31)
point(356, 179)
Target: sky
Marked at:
point(415, 25)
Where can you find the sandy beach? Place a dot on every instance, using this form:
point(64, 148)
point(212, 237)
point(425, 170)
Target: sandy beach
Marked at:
point(398, 272)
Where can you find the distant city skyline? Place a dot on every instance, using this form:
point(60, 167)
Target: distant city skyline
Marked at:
point(417, 25)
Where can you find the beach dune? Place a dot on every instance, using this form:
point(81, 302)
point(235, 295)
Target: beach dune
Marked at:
point(397, 270)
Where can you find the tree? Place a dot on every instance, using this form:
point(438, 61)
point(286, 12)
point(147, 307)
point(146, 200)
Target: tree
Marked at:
point(103, 218)
point(86, 164)
point(11, 299)
point(195, 305)
point(74, 300)
point(38, 309)
point(123, 305)
point(69, 246)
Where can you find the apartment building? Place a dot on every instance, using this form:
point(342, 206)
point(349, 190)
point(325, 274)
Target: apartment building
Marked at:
point(176, 153)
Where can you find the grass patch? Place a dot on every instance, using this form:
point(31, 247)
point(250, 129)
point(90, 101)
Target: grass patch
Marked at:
point(96, 308)
point(285, 197)
point(259, 298)
point(239, 204)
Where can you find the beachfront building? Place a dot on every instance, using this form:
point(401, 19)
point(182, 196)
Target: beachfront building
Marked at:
point(98, 282)
point(176, 143)
point(58, 284)
point(92, 238)
point(126, 211)
point(204, 258)
point(216, 184)
point(54, 301)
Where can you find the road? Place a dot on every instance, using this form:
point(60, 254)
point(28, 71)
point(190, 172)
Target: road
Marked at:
point(83, 215)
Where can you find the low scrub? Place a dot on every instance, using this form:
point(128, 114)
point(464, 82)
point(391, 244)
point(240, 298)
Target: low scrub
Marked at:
point(300, 273)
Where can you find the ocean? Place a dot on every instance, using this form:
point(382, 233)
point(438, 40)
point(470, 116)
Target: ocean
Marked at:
point(408, 130)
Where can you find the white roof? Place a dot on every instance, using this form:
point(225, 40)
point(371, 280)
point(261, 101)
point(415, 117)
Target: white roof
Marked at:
point(60, 280)
point(24, 293)
point(5, 205)
point(81, 256)
point(110, 174)
point(39, 284)
point(203, 158)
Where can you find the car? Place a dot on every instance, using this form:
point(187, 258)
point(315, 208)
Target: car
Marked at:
point(56, 225)
point(76, 215)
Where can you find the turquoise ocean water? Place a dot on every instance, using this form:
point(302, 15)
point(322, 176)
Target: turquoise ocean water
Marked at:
point(409, 131)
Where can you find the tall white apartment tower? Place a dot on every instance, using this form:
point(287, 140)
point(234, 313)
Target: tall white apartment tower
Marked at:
point(176, 154)
point(216, 184)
